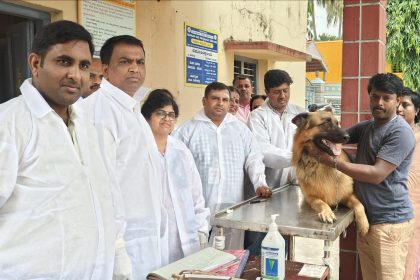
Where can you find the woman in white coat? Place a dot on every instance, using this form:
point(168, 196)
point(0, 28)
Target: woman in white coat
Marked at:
point(187, 223)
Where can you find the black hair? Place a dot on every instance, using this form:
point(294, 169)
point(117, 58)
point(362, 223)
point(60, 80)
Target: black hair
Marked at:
point(388, 83)
point(276, 77)
point(233, 89)
point(158, 99)
point(415, 98)
point(241, 77)
point(108, 46)
point(215, 86)
point(255, 97)
point(60, 32)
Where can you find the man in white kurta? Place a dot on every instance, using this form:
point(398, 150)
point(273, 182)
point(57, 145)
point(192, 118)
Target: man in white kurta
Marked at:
point(223, 148)
point(130, 153)
point(56, 215)
point(272, 126)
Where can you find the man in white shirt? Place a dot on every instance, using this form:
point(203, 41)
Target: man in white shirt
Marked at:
point(223, 147)
point(130, 152)
point(95, 77)
point(57, 220)
point(244, 85)
point(273, 128)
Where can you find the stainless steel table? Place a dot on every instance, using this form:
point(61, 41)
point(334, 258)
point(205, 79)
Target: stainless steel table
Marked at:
point(295, 218)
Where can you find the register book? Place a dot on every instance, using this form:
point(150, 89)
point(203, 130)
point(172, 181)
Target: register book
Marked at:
point(208, 259)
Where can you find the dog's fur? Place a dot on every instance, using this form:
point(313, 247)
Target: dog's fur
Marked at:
point(318, 181)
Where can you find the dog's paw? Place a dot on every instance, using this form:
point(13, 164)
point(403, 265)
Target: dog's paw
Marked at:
point(327, 216)
point(362, 225)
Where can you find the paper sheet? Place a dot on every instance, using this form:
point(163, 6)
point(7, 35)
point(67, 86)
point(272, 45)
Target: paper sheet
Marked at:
point(312, 270)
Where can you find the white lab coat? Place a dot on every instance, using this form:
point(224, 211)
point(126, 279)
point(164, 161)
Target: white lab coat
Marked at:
point(274, 133)
point(183, 198)
point(222, 154)
point(56, 215)
point(130, 153)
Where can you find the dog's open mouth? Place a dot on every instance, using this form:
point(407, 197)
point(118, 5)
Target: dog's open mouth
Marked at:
point(333, 149)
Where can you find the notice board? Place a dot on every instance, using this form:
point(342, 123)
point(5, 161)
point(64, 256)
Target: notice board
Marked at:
point(107, 18)
point(201, 56)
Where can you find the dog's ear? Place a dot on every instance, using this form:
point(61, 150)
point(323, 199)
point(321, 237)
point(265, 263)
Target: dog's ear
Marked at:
point(300, 119)
point(328, 108)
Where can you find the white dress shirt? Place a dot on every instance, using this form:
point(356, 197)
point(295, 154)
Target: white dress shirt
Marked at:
point(56, 214)
point(183, 199)
point(274, 132)
point(130, 153)
point(222, 154)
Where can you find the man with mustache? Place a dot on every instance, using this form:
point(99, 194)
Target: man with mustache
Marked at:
point(272, 126)
point(95, 77)
point(244, 85)
point(56, 211)
point(223, 147)
point(130, 153)
point(385, 148)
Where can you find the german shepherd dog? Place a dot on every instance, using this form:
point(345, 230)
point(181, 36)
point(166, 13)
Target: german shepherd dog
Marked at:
point(323, 186)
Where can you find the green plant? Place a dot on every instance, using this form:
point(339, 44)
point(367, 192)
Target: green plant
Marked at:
point(403, 39)
point(327, 37)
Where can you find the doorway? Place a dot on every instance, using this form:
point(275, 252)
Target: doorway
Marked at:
point(18, 26)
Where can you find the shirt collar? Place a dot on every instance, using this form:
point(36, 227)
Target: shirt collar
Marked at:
point(37, 104)
point(118, 95)
point(33, 98)
point(274, 110)
point(141, 93)
point(201, 116)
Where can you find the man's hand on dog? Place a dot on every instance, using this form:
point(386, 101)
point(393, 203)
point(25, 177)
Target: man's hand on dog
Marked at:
point(322, 156)
point(264, 191)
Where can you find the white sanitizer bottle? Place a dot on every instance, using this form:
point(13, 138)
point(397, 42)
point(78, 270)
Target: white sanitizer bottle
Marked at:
point(272, 253)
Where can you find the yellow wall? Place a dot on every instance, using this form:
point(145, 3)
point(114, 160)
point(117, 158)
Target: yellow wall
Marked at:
point(332, 53)
point(160, 24)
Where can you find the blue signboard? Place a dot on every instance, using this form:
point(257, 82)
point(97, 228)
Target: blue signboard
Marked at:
point(201, 52)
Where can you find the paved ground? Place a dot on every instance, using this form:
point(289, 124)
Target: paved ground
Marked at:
point(309, 250)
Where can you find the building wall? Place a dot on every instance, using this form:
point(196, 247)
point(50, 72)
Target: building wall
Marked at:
point(161, 27)
point(160, 24)
point(332, 52)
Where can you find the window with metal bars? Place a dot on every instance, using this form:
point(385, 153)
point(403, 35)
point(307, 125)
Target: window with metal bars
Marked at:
point(246, 66)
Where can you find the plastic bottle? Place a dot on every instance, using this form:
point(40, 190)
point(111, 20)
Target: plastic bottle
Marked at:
point(273, 253)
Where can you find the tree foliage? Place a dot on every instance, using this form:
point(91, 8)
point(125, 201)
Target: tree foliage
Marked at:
point(327, 37)
point(334, 10)
point(403, 39)
point(311, 26)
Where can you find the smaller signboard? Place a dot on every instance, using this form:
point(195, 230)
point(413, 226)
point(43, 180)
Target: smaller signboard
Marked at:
point(201, 56)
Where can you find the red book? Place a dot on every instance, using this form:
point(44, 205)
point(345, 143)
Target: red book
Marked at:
point(235, 267)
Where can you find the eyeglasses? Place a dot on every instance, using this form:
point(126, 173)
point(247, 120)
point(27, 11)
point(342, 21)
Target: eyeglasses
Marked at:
point(163, 114)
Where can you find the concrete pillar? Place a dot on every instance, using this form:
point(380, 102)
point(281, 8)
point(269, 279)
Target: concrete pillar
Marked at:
point(364, 39)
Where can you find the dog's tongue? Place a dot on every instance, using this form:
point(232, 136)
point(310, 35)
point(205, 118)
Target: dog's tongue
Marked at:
point(333, 147)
